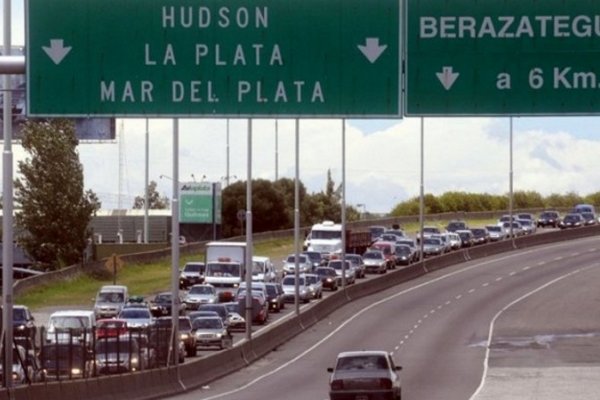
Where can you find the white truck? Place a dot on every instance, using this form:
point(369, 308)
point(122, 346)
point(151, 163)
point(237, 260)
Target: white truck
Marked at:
point(326, 238)
point(225, 267)
point(263, 270)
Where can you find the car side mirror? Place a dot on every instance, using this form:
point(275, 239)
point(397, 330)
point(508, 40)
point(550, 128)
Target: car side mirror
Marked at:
point(329, 369)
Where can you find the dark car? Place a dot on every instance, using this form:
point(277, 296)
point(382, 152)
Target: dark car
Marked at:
point(480, 235)
point(365, 375)
point(162, 304)
point(219, 308)
point(315, 258)
point(589, 218)
point(467, 238)
point(23, 322)
point(67, 361)
point(572, 220)
point(404, 254)
point(275, 296)
point(454, 226)
point(191, 274)
point(548, 218)
point(329, 277)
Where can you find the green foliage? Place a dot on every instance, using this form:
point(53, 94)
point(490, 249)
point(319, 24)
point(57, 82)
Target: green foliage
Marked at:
point(470, 202)
point(155, 201)
point(54, 211)
point(273, 205)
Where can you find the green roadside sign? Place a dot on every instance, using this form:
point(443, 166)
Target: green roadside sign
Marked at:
point(178, 58)
point(508, 57)
point(199, 203)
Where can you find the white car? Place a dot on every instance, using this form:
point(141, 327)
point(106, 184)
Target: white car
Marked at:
point(263, 270)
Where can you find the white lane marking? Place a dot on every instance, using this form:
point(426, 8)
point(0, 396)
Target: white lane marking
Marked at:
point(431, 311)
point(471, 290)
point(458, 297)
point(448, 302)
point(513, 273)
point(558, 258)
point(486, 284)
point(498, 279)
point(397, 348)
point(440, 307)
point(368, 308)
point(415, 326)
point(509, 305)
point(541, 263)
point(526, 268)
point(575, 254)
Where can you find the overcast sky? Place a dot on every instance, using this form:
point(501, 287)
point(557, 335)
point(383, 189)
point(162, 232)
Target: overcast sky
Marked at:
point(551, 155)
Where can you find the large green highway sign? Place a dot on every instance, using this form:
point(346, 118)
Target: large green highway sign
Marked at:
point(214, 58)
point(503, 57)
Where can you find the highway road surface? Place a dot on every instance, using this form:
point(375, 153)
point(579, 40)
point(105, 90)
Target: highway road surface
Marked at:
point(520, 325)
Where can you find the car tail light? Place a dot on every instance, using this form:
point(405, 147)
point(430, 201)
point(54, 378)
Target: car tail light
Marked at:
point(385, 383)
point(337, 384)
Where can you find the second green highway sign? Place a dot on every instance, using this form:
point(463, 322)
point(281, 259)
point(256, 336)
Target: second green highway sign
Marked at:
point(508, 57)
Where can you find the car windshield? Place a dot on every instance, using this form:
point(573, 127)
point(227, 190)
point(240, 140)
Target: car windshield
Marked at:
point(207, 323)
point(69, 322)
point(432, 241)
point(258, 267)
point(338, 264)
point(220, 269)
point(110, 297)
point(194, 268)
point(292, 259)
point(202, 290)
point(135, 313)
point(291, 280)
point(271, 290)
point(310, 279)
point(316, 234)
point(402, 250)
point(373, 255)
point(232, 307)
point(494, 229)
point(314, 257)
point(163, 298)
point(19, 314)
point(368, 362)
point(325, 272)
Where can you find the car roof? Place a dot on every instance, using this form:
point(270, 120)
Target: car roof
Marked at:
point(363, 353)
point(72, 313)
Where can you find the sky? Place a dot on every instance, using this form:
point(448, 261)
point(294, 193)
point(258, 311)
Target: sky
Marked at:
point(383, 157)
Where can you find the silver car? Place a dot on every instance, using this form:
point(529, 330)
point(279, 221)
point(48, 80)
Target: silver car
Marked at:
point(350, 275)
point(210, 331)
point(304, 264)
point(200, 294)
point(289, 289)
point(137, 318)
point(314, 285)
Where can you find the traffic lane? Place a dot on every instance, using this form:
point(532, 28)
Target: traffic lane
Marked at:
point(563, 354)
point(449, 332)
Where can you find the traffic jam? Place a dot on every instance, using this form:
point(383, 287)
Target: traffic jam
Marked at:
point(126, 333)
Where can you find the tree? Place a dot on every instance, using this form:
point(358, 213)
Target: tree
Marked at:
point(155, 201)
point(54, 210)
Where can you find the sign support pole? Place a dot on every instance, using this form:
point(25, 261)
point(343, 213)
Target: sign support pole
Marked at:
point(344, 282)
point(297, 220)
point(249, 242)
point(510, 183)
point(7, 220)
point(146, 178)
point(175, 248)
point(422, 192)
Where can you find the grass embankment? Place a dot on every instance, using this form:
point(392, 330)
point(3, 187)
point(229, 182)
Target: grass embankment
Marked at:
point(147, 279)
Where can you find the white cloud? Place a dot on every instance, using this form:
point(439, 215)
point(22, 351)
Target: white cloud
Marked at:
point(382, 167)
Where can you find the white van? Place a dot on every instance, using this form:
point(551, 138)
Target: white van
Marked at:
point(74, 326)
point(110, 300)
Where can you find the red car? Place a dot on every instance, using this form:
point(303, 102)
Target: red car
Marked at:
point(389, 252)
point(110, 328)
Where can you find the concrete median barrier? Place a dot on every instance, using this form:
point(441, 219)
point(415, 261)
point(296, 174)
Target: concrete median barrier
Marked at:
point(205, 369)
